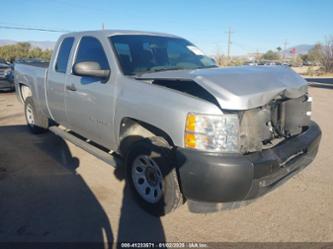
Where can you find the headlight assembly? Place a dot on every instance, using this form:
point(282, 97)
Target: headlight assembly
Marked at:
point(214, 133)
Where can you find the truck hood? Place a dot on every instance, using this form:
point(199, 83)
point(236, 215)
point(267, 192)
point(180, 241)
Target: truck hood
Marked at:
point(241, 88)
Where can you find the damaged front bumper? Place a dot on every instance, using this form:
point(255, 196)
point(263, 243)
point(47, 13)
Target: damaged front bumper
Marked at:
point(215, 178)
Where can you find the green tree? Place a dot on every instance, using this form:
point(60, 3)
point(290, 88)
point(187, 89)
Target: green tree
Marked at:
point(326, 58)
point(305, 57)
point(271, 55)
point(23, 50)
point(35, 53)
point(25, 46)
point(46, 55)
point(297, 61)
point(322, 53)
point(315, 53)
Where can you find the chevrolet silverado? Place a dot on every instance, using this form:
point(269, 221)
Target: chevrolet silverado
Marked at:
point(183, 128)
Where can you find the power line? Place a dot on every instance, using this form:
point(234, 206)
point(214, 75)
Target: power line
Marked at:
point(33, 29)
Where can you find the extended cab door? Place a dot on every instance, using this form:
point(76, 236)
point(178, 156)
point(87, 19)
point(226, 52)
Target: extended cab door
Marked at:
point(90, 100)
point(56, 81)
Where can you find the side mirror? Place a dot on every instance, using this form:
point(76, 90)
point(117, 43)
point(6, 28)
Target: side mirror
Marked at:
point(91, 69)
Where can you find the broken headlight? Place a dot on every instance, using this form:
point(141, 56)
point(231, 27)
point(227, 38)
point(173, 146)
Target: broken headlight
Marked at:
point(213, 133)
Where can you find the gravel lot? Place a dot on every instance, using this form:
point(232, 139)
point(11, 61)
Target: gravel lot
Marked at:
point(51, 190)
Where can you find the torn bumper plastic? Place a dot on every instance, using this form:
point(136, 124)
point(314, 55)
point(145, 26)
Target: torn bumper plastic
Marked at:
point(214, 178)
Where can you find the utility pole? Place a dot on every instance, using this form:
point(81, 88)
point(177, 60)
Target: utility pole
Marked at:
point(285, 44)
point(229, 41)
point(257, 56)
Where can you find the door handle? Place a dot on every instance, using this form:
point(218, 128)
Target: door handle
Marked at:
point(71, 87)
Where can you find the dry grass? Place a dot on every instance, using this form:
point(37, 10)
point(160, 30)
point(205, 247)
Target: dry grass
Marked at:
point(312, 71)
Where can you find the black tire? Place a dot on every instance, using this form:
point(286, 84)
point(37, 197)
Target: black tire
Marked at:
point(40, 122)
point(158, 150)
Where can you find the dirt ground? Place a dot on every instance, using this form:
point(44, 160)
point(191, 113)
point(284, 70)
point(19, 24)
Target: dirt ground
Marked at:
point(312, 71)
point(51, 190)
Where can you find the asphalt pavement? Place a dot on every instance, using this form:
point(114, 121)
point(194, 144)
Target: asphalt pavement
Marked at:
point(320, 82)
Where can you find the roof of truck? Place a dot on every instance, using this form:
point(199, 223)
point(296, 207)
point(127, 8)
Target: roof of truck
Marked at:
point(110, 32)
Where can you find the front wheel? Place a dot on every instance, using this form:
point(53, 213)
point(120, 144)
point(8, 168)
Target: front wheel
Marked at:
point(36, 121)
point(152, 176)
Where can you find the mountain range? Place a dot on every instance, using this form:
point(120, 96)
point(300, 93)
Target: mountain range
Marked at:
point(300, 49)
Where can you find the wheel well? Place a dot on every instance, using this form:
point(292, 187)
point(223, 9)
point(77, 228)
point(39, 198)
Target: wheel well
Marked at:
point(25, 91)
point(132, 130)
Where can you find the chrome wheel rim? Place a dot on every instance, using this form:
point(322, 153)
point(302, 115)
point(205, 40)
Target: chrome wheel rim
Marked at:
point(30, 115)
point(147, 179)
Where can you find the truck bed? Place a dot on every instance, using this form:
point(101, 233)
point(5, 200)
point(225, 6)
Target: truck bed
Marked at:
point(44, 64)
point(32, 75)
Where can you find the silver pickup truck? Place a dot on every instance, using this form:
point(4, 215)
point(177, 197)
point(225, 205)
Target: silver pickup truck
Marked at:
point(183, 128)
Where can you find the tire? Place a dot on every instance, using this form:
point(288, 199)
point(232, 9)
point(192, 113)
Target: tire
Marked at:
point(36, 121)
point(150, 165)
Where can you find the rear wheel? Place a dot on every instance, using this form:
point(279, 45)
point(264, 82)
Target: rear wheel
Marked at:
point(152, 176)
point(36, 121)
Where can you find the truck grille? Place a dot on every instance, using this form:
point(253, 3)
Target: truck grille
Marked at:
point(267, 126)
point(290, 116)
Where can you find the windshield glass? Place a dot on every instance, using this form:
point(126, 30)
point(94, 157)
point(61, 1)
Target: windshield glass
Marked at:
point(139, 54)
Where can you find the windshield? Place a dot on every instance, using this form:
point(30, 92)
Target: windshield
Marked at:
point(139, 54)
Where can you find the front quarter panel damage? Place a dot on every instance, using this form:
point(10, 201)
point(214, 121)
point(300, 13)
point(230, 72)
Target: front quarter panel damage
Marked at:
point(160, 107)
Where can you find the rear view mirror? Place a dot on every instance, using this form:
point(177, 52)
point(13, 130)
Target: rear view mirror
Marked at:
point(91, 69)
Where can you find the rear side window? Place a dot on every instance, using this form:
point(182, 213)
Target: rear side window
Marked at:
point(63, 55)
point(90, 49)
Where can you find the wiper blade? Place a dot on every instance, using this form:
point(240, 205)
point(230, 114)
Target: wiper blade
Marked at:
point(164, 69)
point(149, 70)
point(212, 66)
point(154, 70)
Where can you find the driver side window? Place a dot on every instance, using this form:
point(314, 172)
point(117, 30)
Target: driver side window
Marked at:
point(90, 49)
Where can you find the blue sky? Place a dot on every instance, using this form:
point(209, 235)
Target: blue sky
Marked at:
point(257, 24)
